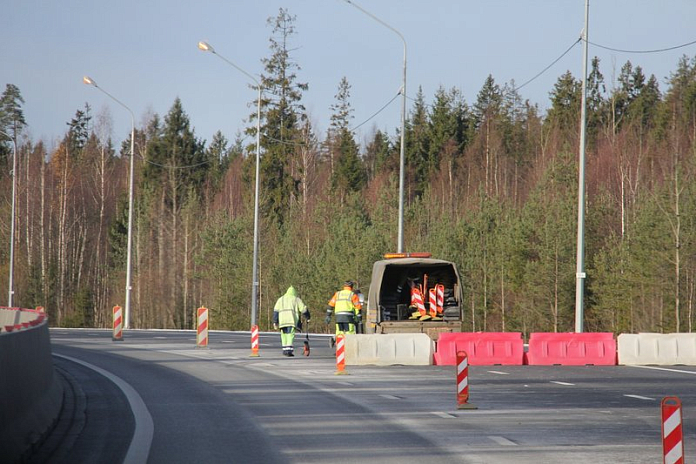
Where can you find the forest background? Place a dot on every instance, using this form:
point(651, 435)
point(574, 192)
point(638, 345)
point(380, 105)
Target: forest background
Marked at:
point(491, 185)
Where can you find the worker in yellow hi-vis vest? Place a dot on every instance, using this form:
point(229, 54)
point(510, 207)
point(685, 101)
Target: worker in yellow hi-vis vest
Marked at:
point(287, 317)
point(346, 303)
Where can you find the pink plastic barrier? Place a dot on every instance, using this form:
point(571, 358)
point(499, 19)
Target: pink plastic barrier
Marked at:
point(572, 349)
point(482, 348)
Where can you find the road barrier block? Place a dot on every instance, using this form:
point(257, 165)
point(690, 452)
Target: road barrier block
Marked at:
point(408, 349)
point(482, 348)
point(658, 349)
point(572, 349)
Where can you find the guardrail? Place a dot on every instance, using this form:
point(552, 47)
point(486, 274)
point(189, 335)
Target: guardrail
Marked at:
point(31, 395)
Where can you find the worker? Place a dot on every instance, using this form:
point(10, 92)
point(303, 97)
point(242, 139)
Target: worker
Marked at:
point(347, 305)
point(287, 317)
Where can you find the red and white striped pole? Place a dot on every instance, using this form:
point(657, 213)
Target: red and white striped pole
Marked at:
point(118, 324)
point(340, 354)
point(254, 340)
point(202, 328)
point(672, 433)
point(463, 381)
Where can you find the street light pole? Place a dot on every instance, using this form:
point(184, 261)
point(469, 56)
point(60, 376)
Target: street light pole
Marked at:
point(580, 260)
point(402, 155)
point(10, 291)
point(126, 325)
point(204, 46)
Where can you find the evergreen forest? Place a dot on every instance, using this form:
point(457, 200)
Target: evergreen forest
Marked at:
point(490, 183)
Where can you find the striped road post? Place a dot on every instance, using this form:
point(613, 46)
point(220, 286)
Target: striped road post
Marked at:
point(202, 328)
point(340, 354)
point(254, 340)
point(672, 434)
point(463, 381)
point(118, 324)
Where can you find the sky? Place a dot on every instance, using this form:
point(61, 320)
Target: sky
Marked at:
point(144, 53)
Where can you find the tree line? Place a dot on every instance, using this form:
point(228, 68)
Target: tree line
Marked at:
point(490, 185)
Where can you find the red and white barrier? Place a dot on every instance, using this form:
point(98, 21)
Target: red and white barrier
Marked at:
point(672, 433)
point(440, 289)
point(202, 325)
point(118, 324)
point(254, 340)
point(340, 354)
point(463, 381)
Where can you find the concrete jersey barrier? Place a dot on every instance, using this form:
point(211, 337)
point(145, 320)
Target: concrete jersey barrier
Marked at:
point(412, 349)
point(657, 349)
point(31, 395)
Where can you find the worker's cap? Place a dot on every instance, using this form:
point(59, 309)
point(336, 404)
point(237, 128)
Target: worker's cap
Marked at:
point(348, 283)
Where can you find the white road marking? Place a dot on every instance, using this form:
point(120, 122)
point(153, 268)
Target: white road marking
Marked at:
point(562, 383)
point(638, 397)
point(498, 372)
point(444, 415)
point(503, 441)
point(139, 447)
point(666, 369)
point(390, 397)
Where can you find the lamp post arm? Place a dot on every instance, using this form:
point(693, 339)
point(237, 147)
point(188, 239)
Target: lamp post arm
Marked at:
point(255, 266)
point(129, 252)
point(402, 152)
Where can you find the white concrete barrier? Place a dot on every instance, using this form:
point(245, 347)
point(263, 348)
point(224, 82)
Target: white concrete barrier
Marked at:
point(389, 349)
point(657, 349)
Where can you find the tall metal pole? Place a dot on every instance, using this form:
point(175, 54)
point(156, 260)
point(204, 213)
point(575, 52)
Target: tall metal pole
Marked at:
point(129, 253)
point(580, 270)
point(402, 153)
point(10, 291)
point(206, 47)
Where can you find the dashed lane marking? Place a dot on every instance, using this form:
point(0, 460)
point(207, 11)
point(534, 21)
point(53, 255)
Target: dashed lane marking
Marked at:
point(503, 441)
point(390, 397)
point(444, 415)
point(563, 383)
point(498, 372)
point(638, 397)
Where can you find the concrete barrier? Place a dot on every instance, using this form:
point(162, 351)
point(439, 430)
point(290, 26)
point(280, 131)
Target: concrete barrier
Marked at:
point(657, 349)
point(389, 349)
point(31, 395)
point(572, 349)
point(482, 348)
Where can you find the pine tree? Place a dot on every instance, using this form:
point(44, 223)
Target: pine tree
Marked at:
point(348, 174)
point(281, 113)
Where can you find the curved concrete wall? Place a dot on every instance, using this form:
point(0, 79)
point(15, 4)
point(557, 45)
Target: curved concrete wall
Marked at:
point(31, 395)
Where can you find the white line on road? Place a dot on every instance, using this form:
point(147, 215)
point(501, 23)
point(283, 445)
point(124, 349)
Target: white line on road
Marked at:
point(666, 369)
point(444, 415)
point(144, 428)
point(390, 397)
point(638, 397)
point(562, 383)
point(503, 441)
point(498, 372)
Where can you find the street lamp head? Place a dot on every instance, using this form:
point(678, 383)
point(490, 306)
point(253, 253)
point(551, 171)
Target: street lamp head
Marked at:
point(206, 47)
point(89, 81)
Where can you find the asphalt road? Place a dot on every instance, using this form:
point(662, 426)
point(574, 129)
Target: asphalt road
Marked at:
point(219, 404)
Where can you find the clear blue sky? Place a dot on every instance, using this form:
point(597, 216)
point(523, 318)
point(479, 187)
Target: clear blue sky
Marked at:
point(144, 53)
